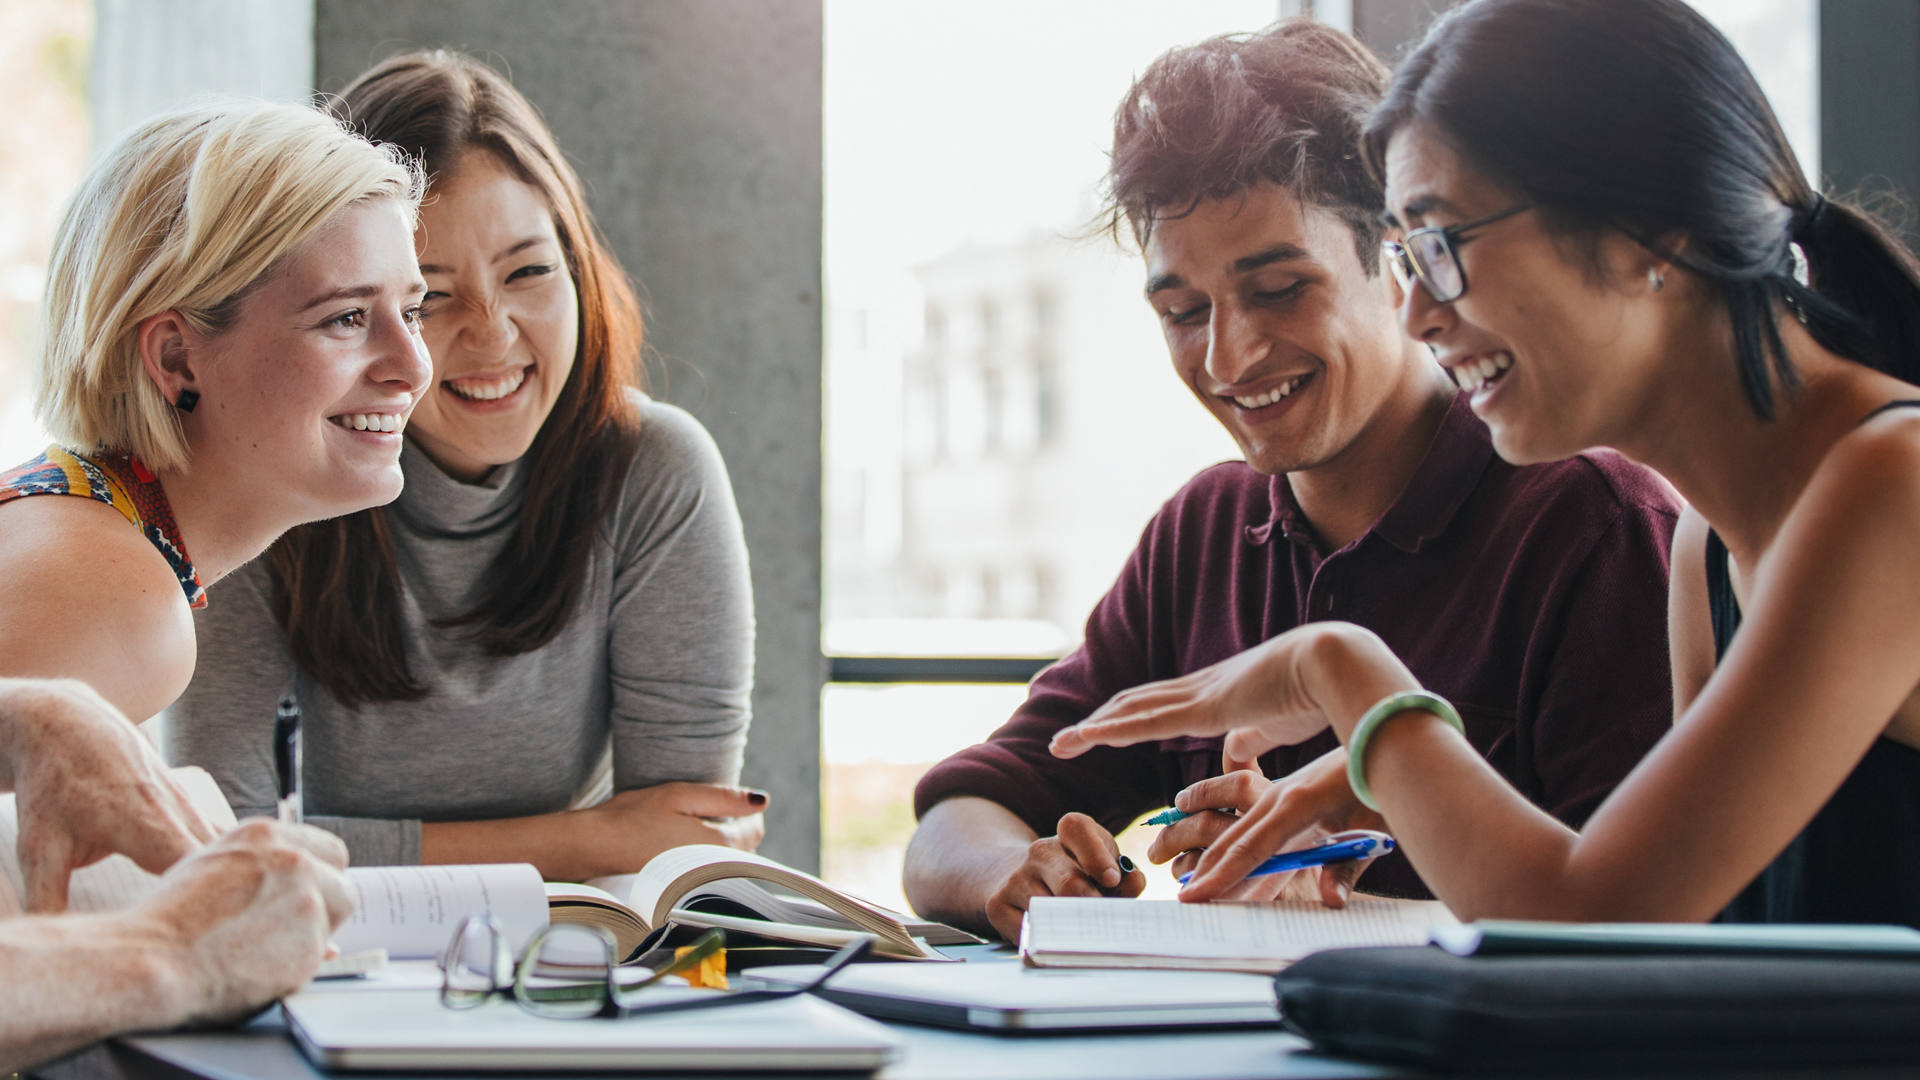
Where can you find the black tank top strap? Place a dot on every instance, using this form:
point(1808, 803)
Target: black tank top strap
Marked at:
point(1722, 605)
point(1909, 403)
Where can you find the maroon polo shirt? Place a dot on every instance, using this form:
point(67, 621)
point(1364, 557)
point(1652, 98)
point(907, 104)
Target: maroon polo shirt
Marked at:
point(1533, 598)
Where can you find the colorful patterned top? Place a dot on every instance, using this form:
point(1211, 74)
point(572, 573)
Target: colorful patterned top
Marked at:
point(119, 481)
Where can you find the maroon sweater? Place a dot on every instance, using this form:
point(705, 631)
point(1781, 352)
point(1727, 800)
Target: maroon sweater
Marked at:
point(1533, 598)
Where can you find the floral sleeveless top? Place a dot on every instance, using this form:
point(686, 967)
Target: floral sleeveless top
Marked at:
point(119, 481)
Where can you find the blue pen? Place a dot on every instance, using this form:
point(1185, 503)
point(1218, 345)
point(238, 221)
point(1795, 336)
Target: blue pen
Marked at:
point(1167, 817)
point(1350, 846)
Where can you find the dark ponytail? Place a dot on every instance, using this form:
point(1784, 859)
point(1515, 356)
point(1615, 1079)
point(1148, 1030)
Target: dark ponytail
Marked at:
point(1639, 116)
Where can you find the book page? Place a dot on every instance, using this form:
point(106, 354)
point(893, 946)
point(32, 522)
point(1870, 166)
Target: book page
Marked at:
point(114, 882)
point(411, 911)
point(1283, 931)
point(679, 871)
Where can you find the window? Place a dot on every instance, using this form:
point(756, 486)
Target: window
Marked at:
point(1020, 382)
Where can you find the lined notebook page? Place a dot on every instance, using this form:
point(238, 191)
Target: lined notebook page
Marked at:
point(115, 881)
point(1103, 932)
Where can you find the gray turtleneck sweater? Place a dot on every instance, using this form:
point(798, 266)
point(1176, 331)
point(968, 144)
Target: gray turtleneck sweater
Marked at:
point(651, 676)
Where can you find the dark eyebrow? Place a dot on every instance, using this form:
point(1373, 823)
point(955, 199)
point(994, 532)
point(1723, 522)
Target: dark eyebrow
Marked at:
point(1244, 264)
point(514, 249)
point(1274, 254)
point(355, 292)
point(1164, 282)
point(1422, 206)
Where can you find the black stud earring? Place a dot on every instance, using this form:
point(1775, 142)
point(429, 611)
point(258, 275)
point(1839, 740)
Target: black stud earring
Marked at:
point(188, 399)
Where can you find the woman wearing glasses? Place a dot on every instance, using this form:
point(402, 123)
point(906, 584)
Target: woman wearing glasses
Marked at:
point(1614, 245)
point(557, 608)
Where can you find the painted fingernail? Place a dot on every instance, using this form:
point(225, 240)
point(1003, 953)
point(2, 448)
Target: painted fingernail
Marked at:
point(1126, 865)
point(757, 797)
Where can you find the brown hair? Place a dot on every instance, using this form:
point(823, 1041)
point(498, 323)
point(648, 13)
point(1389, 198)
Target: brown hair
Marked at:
point(1211, 120)
point(337, 584)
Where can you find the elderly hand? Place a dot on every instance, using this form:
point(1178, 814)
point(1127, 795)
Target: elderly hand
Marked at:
point(87, 785)
point(247, 919)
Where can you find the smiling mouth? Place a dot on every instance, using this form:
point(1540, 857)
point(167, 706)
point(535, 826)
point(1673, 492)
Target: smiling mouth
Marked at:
point(382, 422)
point(1481, 372)
point(491, 389)
point(1272, 396)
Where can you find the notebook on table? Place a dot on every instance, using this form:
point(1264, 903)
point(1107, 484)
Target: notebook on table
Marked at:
point(1109, 932)
point(408, 1029)
point(1001, 996)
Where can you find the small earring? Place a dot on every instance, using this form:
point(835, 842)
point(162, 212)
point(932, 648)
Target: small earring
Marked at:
point(1655, 279)
point(188, 399)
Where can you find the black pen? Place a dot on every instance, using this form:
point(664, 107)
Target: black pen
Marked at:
point(286, 758)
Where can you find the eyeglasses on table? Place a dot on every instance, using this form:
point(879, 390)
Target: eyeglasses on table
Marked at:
point(569, 971)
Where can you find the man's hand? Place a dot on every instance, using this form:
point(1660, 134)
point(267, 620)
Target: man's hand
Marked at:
point(1293, 812)
point(1080, 860)
point(247, 919)
point(88, 785)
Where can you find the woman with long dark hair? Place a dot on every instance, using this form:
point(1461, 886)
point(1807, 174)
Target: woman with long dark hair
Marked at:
point(1607, 239)
point(557, 608)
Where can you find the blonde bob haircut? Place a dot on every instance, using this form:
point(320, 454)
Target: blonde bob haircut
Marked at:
point(187, 213)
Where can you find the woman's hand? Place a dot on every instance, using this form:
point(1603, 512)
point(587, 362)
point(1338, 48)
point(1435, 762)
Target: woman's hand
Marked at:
point(621, 834)
point(1293, 812)
point(88, 785)
point(1277, 693)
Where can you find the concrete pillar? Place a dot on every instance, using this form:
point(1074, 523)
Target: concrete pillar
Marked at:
point(696, 126)
point(1870, 99)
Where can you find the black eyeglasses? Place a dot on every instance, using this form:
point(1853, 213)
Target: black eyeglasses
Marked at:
point(1431, 255)
point(570, 971)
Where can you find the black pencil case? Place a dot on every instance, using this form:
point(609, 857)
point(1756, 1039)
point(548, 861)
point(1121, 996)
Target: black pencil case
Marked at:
point(1565, 1013)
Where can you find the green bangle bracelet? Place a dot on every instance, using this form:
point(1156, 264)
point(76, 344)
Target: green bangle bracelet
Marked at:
point(1389, 707)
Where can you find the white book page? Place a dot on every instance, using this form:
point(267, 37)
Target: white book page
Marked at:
point(411, 911)
point(664, 869)
point(114, 882)
point(1059, 926)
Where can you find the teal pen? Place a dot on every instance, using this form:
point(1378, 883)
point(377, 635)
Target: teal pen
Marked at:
point(1168, 816)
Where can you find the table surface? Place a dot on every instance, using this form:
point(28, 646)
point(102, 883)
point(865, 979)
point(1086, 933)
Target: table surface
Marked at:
point(262, 1050)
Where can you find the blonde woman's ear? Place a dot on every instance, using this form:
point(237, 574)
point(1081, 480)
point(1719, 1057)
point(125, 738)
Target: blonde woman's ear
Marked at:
point(162, 341)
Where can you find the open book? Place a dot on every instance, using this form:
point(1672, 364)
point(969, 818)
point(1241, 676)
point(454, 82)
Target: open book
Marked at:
point(412, 911)
point(1102, 932)
point(706, 885)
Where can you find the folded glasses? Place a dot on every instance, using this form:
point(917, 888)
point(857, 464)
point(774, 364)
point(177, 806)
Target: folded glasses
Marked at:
point(571, 972)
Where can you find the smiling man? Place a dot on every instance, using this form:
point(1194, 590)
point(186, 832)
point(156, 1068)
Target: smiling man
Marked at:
point(1532, 597)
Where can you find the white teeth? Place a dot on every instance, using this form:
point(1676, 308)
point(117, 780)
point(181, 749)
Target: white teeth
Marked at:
point(1261, 401)
point(487, 389)
point(1474, 374)
point(370, 421)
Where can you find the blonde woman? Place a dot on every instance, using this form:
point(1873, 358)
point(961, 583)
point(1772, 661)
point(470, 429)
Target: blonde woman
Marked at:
point(231, 349)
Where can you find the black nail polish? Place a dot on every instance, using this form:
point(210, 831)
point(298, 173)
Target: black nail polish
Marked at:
point(1126, 865)
point(757, 797)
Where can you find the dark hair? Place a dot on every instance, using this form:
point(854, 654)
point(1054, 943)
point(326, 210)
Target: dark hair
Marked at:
point(337, 584)
point(1639, 116)
point(1211, 120)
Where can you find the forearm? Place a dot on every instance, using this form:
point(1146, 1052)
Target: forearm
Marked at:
point(1476, 841)
point(69, 980)
point(962, 851)
point(545, 840)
